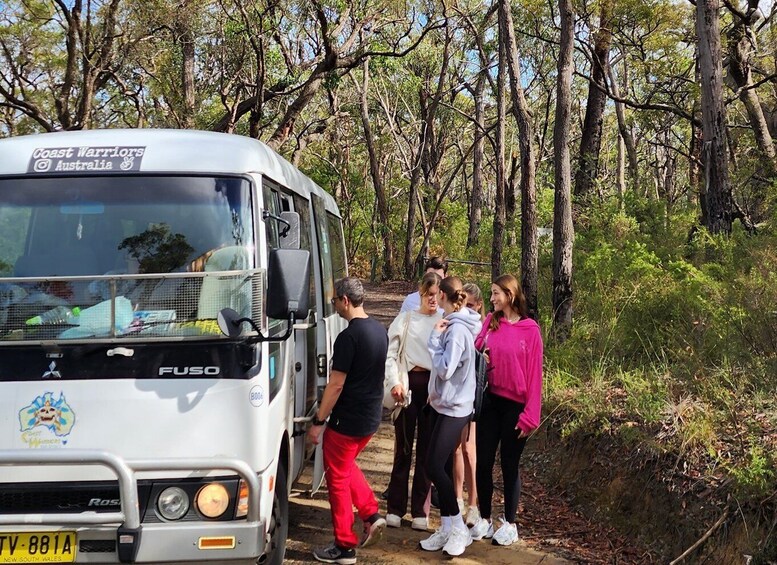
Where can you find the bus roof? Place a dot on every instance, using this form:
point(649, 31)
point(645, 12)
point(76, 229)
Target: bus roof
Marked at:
point(127, 151)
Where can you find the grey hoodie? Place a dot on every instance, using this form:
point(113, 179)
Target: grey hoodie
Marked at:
point(452, 382)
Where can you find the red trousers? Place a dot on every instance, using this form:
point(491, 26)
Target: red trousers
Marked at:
point(347, 485)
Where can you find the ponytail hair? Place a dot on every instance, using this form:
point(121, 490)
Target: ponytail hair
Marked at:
point(512, 289)
point(453, 290)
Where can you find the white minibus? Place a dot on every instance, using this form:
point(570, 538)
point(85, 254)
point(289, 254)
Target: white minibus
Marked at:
point(166, 326)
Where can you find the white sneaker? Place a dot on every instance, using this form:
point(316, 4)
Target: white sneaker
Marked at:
point(393, 521)
point(420, 523)
point(507, 534)
point(482, 529)
point(436, 541)
point(473, 515)
point(458, 541)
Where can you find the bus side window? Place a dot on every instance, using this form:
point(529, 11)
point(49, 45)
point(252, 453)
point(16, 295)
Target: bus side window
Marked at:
point(271, 226)
point(339, 260)
point(324, 253)
point(302, 207)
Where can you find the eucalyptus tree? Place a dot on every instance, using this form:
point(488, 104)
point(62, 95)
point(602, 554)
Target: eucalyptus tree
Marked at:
point(314, 44)
point(520, 109)
point(58, 57)
point(720, 202)
point(563, 229)
point(591, 135)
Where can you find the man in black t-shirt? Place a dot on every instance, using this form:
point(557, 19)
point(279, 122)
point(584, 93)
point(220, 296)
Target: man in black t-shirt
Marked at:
point(352, 401)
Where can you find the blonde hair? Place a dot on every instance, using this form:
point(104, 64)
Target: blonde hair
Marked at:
point(477, 294)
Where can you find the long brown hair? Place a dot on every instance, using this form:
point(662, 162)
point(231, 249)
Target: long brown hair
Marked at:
point(512, 289)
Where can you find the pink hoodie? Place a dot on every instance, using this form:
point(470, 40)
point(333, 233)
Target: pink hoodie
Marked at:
point(515, 366)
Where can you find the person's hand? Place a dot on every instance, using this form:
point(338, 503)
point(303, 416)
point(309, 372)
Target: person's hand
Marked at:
point(487, 355)
point(398, 394)
point(314, 434)
point(441, 325)
point(522, 434)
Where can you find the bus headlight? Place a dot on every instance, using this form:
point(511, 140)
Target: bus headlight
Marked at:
point(212, 500)
point(173, 503)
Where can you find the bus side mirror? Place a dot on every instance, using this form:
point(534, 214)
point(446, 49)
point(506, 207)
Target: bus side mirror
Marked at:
point(288, 283)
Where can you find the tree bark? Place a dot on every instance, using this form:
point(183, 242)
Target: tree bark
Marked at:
point(186, 41)
point(497, 243)
point(623, 128)
point(520, 109)
point(741, 46)
point(563, 230)
point(720, 202)
point(591, 137)
point(476, 198)
point(377, 179)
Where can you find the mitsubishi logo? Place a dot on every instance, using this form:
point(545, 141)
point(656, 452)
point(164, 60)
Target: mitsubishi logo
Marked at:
point(52, 372)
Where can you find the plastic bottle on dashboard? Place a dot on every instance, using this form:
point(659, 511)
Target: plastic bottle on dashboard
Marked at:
point(57, 315)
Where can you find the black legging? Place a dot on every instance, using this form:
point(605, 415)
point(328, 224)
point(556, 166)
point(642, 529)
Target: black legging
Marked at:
point(496, 426)
point(446, 435)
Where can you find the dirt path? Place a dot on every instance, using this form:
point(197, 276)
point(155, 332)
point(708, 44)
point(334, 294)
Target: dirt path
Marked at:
point(309, 517)
point(552, 532)
point(310, 523)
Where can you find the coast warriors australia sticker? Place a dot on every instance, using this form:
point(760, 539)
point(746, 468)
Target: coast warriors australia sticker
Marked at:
point(47, 421)
point(88, 159)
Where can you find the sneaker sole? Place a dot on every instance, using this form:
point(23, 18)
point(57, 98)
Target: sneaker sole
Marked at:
point(339, 561)
point(420, 528)
point(469, 542)
point(494, 542)
point(375, 534)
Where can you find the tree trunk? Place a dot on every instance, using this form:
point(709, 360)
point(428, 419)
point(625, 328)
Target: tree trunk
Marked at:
point(476, 199)
point(720, 202)
point(529, 247)
point(187, 79)
point(497, 243)
point(623, 128)
point(563, 230)
point(377, 180)
point(591, 136)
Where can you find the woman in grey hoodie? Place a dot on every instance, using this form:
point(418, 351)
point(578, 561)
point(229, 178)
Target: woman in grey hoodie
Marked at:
point(451, 398)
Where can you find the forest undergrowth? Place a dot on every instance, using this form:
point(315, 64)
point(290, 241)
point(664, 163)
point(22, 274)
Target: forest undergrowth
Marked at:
point(672, 359)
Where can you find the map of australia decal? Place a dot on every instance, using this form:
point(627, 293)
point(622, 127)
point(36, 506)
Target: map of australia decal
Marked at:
point(45, 414)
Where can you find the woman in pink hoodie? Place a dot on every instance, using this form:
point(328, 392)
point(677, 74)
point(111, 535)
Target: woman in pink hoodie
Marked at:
point(512, 403)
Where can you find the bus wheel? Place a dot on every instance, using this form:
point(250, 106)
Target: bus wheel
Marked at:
point(279, 523)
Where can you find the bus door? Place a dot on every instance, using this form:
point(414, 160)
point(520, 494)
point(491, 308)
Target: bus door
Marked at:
point(328, 323)
point(305, 339)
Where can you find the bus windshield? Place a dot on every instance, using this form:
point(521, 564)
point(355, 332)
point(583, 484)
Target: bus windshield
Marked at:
point(120, 224)
point(142, 246)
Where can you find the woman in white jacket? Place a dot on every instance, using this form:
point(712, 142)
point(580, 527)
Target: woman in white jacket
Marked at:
point(451, 398)
point(407, 350)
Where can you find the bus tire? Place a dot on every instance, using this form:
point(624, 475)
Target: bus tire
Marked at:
point(279, 522)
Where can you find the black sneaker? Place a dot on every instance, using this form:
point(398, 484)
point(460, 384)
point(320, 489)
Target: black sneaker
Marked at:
point(373, 530)
point(333, 554)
